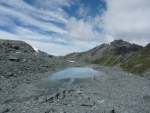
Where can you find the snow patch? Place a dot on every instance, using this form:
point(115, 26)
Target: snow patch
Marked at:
point(35, 49)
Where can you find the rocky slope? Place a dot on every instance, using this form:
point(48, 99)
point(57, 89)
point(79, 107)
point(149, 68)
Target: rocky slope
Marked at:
point(130, 57)
point(25, 88)
point(114, 91)
point(17, 58)
point(20, 63)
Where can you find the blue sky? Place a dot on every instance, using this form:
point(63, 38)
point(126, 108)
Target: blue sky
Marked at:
point(63, 26)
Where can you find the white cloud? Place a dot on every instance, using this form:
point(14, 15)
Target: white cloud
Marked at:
point(82, 30)
point(82, 11)
point(75, 35)
point(51, 3)
point(54, 48)
point(128, 20)
point(28, 20)
point(47, 46)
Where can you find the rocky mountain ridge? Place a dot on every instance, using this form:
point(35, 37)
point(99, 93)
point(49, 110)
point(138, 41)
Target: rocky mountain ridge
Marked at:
point(131, 57)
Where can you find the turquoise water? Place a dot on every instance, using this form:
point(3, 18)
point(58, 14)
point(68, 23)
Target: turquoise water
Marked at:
point(74, 73)
point(67, 77)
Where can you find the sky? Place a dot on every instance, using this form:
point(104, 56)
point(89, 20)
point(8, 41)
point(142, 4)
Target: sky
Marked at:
point(59, 27)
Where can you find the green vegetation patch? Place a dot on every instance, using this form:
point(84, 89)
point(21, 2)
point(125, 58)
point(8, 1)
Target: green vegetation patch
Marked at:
point(137, 63)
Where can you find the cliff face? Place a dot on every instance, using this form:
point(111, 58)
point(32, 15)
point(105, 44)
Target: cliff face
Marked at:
point(130, 57)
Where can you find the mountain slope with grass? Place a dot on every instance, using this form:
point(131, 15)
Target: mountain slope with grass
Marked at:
point(139, 62)
point(130, 57)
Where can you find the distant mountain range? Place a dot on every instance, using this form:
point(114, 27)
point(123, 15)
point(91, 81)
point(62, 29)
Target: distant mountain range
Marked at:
point(130, 57)
point(22, 58)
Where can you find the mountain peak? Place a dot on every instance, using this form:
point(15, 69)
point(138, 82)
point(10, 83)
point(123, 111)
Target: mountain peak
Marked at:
point(121, 47)
point(120, 43)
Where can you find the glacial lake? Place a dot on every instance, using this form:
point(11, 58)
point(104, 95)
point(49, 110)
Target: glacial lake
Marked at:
point(74, 73)
point(67, 77)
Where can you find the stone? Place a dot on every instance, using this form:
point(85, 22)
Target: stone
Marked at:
point(113, 111)
point(87, 105)
point(41, 99)
point(14, 46)
point(13, 59)
point(9, 74)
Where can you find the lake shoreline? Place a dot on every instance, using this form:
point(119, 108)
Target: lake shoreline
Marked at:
point(114, 90)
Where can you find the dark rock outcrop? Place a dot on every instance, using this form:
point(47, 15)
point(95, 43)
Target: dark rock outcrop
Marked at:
point(120, 47)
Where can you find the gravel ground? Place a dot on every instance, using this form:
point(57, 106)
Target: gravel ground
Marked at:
point(114, 91)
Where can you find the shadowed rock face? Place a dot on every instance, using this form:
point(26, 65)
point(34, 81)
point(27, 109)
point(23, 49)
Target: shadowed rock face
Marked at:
point(120, 47)
point(118, 43)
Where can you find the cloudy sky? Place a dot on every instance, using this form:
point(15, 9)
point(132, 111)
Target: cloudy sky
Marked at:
point(63, 26)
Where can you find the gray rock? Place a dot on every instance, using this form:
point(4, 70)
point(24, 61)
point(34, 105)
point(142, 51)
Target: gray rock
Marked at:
point(9, 74)
point(13, 59)
point(6, 110)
